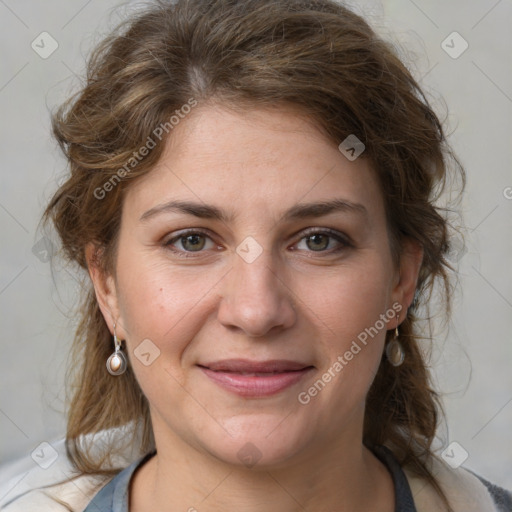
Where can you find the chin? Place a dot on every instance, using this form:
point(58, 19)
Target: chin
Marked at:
point(259, 441)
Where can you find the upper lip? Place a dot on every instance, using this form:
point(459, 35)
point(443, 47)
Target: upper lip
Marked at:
point(248, 366)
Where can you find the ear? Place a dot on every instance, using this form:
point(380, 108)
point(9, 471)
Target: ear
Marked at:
point(105, 290)
point(411, 257)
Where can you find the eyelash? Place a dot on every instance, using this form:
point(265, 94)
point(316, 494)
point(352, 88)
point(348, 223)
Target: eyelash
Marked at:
point(342, 239)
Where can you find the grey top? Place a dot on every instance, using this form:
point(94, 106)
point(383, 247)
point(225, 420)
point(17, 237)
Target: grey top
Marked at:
point(114, 496)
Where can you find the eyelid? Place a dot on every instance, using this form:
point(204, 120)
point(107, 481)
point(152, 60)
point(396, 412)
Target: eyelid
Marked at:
point(326, 231)
point(188, 231)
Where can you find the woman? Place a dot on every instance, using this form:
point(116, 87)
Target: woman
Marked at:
point(252, 193)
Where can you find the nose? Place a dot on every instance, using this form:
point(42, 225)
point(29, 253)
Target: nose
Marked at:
point(255, 298)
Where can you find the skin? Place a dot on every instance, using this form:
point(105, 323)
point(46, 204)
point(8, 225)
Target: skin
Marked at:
point(297, 300)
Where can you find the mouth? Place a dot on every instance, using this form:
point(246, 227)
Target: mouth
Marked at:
point(253, 379)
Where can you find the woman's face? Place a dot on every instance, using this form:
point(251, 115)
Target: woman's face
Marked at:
point(254, 286)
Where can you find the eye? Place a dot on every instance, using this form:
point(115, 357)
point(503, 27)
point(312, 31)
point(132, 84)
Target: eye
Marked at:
point(328, 241)
point(189, 242)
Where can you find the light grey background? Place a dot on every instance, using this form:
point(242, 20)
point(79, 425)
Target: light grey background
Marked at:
point(472, 360)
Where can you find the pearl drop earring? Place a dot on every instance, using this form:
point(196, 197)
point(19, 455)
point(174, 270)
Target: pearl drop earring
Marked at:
point(116, 363)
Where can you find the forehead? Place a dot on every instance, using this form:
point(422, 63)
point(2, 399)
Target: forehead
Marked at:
point(257, 160)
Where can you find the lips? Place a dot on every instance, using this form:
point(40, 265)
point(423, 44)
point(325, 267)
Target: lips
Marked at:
point(247, 366)
point(255, 378)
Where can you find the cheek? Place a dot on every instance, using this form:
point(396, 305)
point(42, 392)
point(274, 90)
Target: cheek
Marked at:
point(351, 307)
point(161, 312)
point(351, 318)
point(159, 303)
point(349, 299)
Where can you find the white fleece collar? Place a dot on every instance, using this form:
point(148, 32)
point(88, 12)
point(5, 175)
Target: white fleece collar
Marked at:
point(465, 492)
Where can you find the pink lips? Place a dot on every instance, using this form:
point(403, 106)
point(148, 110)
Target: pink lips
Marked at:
point(255, 378)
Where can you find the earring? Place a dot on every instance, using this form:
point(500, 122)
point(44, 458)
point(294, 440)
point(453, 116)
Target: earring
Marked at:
point(394, 350)
point(116, 363)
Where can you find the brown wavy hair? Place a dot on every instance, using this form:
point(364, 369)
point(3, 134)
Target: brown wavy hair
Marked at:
point(326, 62)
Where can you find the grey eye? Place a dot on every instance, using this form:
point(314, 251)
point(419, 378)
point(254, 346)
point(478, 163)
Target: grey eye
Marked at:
point(317, 242)
point(193, 242)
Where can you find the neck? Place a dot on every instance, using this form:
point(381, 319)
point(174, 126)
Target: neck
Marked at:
point(346, 477)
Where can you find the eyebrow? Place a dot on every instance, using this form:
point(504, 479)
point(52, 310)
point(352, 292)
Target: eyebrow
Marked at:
point(299, 211)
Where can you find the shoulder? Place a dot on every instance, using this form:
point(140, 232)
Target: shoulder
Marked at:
point(52, 483)
point(466, 491)
point(56, 487)
point(73, 495)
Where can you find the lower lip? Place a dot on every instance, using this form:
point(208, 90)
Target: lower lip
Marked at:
point(255, 386)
